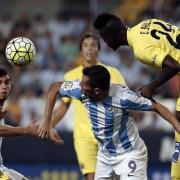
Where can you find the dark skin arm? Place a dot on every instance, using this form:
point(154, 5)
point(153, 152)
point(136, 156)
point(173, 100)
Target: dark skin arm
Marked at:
point(59, 113)
point(170, 68)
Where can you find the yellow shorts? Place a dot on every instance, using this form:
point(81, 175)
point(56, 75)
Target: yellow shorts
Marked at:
point(175, 171)
point(86, 151)
point(178, 103)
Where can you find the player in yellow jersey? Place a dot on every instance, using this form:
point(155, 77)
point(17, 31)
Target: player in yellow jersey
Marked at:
point(155, 43)
point(86, 146)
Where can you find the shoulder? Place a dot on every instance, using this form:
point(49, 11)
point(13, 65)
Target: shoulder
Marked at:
point(119, 88)
point(69, 85)
point(122, 89)
point(73, 74)
point(111, 69)
point(71, 89)
point(118, 92)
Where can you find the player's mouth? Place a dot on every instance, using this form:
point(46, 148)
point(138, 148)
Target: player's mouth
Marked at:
point(89, 54)
point(4, 93)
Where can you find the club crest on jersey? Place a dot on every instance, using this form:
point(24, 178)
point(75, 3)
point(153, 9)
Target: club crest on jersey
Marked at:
point(67, 85)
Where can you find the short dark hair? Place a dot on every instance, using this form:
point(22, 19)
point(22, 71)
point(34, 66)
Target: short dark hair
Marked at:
point(110, 28)
point(3, 72)
point(107, 19)
point(89, 35)
point(99, 76)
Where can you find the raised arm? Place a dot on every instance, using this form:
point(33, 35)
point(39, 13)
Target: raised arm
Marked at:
point(167, 115)
point(44, 127)
point(59, 113)
point(169, 68)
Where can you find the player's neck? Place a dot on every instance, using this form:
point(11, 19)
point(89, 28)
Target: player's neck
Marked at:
point(124, 38)
point(1, 104)
point(89, 63)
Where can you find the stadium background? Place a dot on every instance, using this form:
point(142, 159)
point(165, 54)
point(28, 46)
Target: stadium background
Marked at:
point(55, 27)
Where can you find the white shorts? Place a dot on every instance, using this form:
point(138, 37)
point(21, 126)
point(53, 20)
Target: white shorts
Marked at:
point(129, 166)
point(11, 174)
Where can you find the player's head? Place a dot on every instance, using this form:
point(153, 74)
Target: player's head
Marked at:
point(111, 29)
point(5, 84)
point(95, 82)
point(89, 47)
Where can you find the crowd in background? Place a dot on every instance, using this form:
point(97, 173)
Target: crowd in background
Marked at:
point(57, 44)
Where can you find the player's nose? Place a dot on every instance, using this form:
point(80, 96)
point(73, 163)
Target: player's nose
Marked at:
point(4, 85)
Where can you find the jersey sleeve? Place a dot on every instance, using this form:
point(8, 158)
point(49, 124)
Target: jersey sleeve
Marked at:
point(66, 99)
point(134, 101)
point(151, 56)
point(71, 89)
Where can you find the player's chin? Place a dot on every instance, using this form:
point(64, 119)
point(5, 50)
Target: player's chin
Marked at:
point(89, 59)
point(3, 96)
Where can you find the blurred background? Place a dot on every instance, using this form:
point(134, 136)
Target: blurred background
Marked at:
point(55, 27)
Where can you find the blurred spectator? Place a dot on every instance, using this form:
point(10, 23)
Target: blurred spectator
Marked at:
point(49, 75)
point(14, 110)
point(5, 24)
point(22, 26)
point(31, 107)
point(39, 24)
point(134, 73)
point(69, 50)
point(109, 57)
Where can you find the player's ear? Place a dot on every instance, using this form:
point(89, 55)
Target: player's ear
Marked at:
point(97, 91)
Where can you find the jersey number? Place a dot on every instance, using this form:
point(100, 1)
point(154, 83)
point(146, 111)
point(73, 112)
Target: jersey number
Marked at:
point(167, 28)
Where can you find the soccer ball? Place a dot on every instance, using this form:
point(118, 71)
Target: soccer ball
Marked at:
point(20, 51)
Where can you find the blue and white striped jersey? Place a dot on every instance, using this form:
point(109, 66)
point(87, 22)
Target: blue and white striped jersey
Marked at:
point(1, 159)
point(111, 119)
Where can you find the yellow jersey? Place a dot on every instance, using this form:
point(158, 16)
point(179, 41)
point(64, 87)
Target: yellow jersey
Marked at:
point(177, 137)
point(152, 40)
point(82, 125)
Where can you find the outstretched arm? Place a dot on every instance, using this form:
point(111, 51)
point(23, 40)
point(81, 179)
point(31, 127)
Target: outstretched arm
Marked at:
point(167, 115)
point(10, 131)
point(44, 127)
point(169, 68)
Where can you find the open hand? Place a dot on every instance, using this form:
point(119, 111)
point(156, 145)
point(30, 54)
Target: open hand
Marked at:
point(43, 130)
point(54, 136)
point(146, 91)
point(32, 129)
